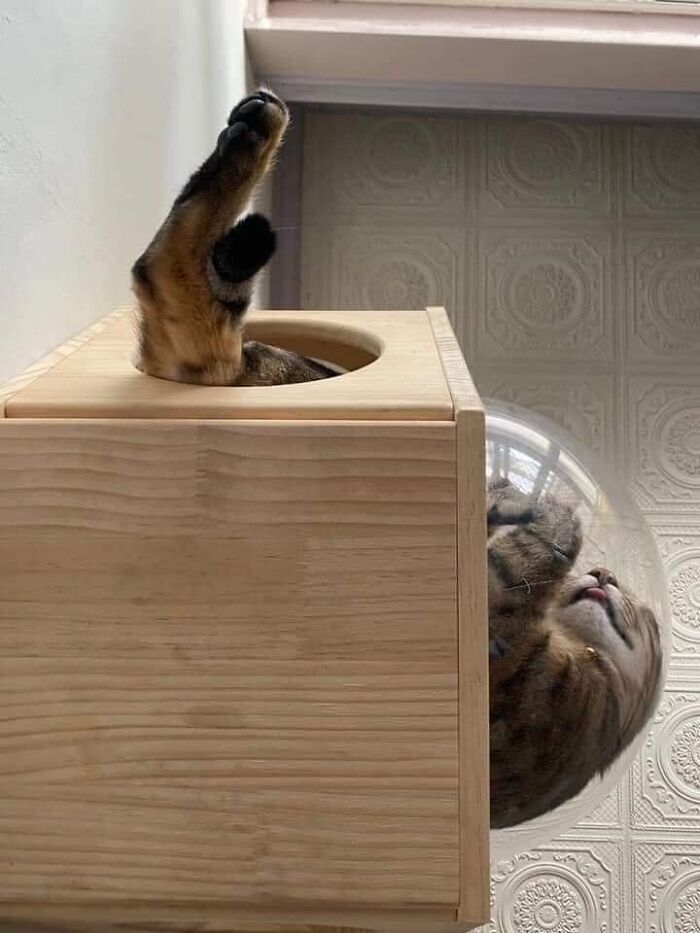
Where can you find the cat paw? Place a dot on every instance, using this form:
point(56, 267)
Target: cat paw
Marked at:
point(507, 505)
point(255, 127)
point(567, 536)
point(255, 120)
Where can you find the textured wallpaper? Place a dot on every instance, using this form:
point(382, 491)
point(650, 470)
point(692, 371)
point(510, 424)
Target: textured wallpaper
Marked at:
point(568, 257)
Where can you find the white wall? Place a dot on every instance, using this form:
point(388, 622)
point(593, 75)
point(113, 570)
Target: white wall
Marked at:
point(105, 107)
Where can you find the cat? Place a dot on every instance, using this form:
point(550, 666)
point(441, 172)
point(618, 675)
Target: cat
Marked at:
point(194, 282)
point(575, 659)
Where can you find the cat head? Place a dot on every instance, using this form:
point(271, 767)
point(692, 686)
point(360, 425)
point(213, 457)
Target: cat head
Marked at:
point(622, 634)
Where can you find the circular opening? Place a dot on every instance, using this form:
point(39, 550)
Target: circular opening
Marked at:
point(343, 348)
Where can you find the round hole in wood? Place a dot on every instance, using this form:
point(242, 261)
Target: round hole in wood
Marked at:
point(347, 348)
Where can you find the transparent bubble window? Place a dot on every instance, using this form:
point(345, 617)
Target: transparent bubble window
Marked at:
point(538, 457)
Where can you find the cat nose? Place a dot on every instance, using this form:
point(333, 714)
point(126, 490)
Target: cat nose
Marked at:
point(604, 576)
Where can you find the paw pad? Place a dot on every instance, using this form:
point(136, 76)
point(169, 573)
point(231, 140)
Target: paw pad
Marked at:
point(262, 114)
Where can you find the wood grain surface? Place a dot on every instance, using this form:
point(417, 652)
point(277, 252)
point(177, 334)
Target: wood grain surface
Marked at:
point(228, 663)
point(49, 360)
point(473, 625)
point(242, 687)
point(404, 382)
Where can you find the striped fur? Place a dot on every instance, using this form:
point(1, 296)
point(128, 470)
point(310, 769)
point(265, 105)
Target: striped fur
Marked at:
point(574, 672)
point(194, 282)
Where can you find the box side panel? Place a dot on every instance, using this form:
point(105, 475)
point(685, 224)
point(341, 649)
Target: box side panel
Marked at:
point(473, 670)
point(473, 626)
point(228, 664)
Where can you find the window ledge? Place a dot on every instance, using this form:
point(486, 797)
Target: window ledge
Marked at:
point(478, 58)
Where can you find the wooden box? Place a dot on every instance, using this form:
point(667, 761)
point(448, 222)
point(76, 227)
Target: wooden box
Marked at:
point(243, 638)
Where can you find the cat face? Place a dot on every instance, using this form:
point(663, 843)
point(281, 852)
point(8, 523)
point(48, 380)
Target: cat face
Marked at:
point(599, 607)
point(619, 628)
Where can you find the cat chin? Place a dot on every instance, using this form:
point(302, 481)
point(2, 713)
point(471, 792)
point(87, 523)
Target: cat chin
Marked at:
point(590, 620)
point(585, 612)
point(603, 625)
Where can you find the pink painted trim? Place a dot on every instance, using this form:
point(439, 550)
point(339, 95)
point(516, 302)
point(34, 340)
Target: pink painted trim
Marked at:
point(496, 23)
point(346, 42)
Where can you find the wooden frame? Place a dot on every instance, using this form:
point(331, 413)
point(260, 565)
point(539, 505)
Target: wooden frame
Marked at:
point(473, 600)
point(633, 63)
point(245, 657)
point(637, 7)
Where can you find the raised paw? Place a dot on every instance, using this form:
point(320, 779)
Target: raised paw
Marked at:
point(566, 531)
point(255, 120)
point(252, 104)
point(507, 505)
point(243, 150)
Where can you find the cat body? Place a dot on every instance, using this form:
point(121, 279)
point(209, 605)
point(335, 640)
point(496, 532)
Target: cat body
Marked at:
point(575, 659)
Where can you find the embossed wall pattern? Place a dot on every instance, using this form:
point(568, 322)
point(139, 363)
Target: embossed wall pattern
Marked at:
point(568, 256)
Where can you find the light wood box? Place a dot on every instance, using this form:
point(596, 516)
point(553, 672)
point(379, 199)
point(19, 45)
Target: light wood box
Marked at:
point(243, 638)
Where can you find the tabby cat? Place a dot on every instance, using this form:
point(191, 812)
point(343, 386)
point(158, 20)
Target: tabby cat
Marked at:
point(194, 282)
point(575, 660)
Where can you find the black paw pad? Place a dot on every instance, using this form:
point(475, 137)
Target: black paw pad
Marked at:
point(251, 123)
point(230, 136)
point(244, 250)
point(257, 114)
point(248, 110)
point(252, 105)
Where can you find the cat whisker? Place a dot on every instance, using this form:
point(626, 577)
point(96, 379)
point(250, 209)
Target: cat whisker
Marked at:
point(526, 585)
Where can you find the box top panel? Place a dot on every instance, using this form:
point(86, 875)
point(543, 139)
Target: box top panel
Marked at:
point(395, 373)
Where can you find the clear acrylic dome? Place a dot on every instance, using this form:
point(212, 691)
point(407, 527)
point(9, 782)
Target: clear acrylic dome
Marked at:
point(538, 457)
